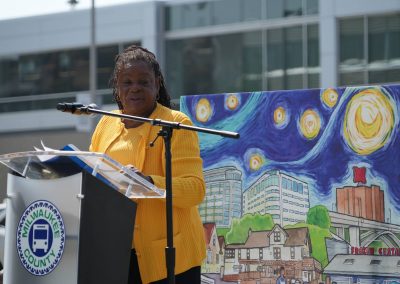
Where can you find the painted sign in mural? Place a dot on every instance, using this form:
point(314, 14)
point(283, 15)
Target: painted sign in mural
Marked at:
point(310, 192)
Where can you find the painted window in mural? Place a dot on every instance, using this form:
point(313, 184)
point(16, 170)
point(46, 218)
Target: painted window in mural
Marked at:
point(310, 192)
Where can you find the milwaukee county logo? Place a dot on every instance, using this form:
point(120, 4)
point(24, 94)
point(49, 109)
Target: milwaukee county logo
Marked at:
point(40, 238)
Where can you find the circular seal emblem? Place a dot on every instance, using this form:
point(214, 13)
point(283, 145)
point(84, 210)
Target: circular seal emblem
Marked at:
point(40, 237)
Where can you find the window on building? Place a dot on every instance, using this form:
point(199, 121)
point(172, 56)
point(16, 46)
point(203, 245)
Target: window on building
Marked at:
point(277, 236)
point(275, 9)
point(260, 253)
point(275, 59)
point(312, 7)
point(248, 253)
point(294, 186)
point(277, 253)
point(284, 183)
point(105, 64)
point(349, 261)
point(375, 262)
point(369, 50)
point(292, 252)
point(229, 253)
point(351, 43)
point(210, 58)
point(384, 49)
point(293, 8)
point(300, 188)
point(313, 69)
point(209, 256)
point(251, 10)
point(195, 14)
point(219, 14)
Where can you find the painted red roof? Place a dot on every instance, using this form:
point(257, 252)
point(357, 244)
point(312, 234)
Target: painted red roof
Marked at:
point(208, 230)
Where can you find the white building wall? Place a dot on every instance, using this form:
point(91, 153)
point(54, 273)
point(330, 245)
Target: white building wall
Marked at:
point(283, 204)
point(121, 23)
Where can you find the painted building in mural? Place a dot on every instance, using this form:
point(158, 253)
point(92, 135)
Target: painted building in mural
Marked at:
point(330, 163)
point(362, 201)
point(364, 269)
point(215, 255)
point(265, 252)
point(223, 199)
point(282, 196)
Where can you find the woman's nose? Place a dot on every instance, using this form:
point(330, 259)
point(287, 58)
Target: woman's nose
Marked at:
point(134, 86)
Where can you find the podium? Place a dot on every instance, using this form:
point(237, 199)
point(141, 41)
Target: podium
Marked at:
point(70, 217)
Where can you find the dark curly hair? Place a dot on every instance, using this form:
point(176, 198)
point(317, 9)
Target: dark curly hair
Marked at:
point(137, 53)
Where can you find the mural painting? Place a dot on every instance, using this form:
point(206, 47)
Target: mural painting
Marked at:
point(310, 193)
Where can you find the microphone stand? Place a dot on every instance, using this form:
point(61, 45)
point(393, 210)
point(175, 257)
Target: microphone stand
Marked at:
point(166, 133)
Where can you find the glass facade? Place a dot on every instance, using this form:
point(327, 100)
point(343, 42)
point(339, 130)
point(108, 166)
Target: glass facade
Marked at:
point(223, 198)
point(53, 72)
point(225, 63)
point(234, 62)
point(369, 50)
point(208, 13)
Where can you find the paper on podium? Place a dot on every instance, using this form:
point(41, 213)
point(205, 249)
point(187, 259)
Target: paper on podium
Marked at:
point(52, 164)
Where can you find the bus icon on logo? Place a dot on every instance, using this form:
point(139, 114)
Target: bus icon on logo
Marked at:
point(40, 237)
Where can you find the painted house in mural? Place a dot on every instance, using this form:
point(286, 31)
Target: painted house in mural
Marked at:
point(215, 257)
point(363, 269)
point(223, 200)
point(260, 258)
point(284, 197)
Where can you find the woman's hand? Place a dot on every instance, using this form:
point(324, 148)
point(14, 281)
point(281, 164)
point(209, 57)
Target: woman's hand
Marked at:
point(139, 173)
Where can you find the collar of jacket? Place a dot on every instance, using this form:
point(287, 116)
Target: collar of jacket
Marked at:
point(144, 142)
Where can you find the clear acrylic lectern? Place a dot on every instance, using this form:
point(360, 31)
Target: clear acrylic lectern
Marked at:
point(70, 217)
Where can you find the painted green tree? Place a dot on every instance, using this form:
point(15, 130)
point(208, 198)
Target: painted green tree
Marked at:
point(240, 227)
point(319, 216)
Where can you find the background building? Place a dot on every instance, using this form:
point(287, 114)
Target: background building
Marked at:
point(363, 269)
point(223, 200)
point(284, 197)
point(362, 201)
point(204, 47)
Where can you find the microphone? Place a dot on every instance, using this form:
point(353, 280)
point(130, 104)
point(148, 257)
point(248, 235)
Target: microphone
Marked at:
point(76, 108)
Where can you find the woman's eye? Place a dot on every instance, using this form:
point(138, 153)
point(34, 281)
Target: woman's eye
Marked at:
point(143, 82)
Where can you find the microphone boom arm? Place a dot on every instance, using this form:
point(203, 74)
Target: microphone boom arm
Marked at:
point(174, 125)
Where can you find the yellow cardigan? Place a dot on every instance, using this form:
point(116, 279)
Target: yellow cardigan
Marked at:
point(188, 192)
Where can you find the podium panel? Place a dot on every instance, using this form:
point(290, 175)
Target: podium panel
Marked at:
point(62, 193)
point(70, 218)
point(74, 229)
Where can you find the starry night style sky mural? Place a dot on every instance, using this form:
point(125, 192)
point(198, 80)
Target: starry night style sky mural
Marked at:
point(317, 135)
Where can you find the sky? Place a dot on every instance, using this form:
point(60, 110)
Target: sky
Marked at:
point(11, 9)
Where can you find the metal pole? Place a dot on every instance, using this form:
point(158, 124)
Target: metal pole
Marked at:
point(92, 59)
point(169, 250)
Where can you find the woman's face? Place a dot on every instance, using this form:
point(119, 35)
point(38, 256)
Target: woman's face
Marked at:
point(138, 88)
